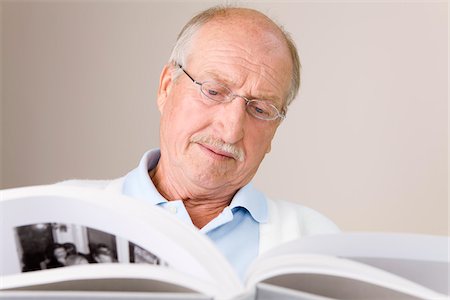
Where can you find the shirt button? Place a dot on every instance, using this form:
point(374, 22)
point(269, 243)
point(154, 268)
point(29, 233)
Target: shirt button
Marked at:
point(173, 209)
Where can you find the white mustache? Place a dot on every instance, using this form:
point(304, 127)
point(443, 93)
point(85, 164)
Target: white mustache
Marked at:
point(235, 152)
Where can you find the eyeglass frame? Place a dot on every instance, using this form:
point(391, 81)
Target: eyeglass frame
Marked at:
point(233, 96)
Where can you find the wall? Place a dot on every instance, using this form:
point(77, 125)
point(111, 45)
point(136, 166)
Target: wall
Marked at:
point(366, 141)
point(1, 98)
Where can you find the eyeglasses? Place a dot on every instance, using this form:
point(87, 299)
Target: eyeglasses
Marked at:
point(219, 93)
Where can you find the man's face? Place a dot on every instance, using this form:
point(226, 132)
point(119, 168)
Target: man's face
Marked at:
point(103, 255)
point(60, 253)
point(254, 64)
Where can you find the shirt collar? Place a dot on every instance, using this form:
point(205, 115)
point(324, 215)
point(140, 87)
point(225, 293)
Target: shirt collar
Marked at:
point(253, 201)
point(138, 184)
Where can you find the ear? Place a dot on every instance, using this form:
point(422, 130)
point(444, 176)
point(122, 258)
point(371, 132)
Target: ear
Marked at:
point(269, 147)
point(165, 85)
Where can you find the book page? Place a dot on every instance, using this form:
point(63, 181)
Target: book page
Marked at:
point(108, 277)
point(93, 295)
point(102, 227)
point(276, 291)
point(334, 277)
point(324, 287)
point(420, 258)
point(370, 244)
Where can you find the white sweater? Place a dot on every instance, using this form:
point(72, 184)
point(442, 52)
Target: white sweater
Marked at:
point(287, 221)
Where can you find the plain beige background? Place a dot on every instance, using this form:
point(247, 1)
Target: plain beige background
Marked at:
point(366, 141)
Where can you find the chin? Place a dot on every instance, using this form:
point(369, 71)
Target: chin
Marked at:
point(210, 179)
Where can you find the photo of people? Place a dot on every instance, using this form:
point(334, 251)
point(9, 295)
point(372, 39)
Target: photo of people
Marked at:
point(54, 245)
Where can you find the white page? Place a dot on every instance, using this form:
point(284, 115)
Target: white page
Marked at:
point(145, 225)
point(25, 295)
point(370, 244)
point(109, 277)
point(420, 258)
point(283, 265)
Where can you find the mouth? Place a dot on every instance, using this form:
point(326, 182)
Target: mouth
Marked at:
point(216, 153)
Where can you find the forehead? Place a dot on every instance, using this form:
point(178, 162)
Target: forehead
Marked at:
point(257, 58)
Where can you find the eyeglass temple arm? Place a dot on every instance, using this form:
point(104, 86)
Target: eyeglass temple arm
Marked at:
point(181, 67)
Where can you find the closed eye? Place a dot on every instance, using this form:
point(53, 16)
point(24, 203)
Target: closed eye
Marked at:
point(212, 92)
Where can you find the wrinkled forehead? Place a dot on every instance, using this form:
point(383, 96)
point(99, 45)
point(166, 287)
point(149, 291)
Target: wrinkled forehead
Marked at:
point(251, 40)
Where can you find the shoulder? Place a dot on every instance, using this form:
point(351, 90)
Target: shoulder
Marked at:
point(288, 221)
point(307, 219)
point(96, 184)
point(89, 183)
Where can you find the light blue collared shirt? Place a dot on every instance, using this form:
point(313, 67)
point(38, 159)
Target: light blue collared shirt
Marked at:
point(235, 231)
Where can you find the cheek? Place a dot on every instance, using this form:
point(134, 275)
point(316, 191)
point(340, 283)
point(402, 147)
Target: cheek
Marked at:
point(180, 120)
point(259, 138)
point(257, 143)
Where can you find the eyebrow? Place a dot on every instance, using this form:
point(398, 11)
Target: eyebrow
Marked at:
point(220, 78)
point(228, 82)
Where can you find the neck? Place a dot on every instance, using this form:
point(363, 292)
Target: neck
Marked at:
point(202, 205)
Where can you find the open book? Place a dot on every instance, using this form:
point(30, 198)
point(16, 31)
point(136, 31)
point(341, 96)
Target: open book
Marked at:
point(61, 242)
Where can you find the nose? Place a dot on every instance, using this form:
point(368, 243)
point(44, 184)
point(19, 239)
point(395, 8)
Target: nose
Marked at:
point(232, 117)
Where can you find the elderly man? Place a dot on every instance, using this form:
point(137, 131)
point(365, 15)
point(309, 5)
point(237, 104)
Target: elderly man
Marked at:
point(222, 96)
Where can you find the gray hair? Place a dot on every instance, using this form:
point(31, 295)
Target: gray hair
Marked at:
point(183, 44)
